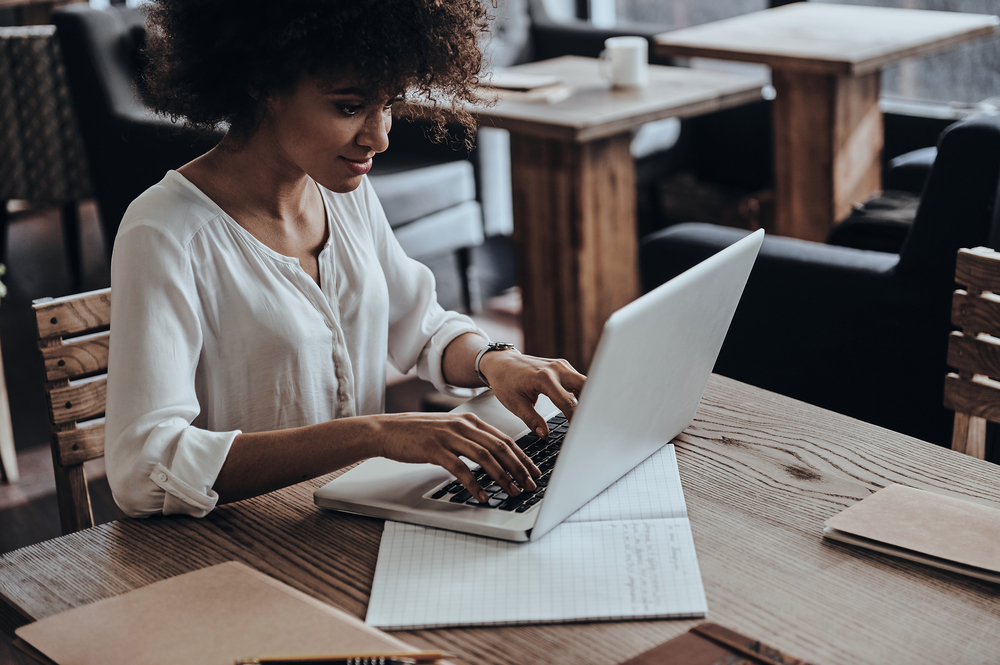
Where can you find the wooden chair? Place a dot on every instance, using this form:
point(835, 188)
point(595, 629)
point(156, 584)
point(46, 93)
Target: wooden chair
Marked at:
point(8, 454)
point(73, 334)
point(974, 391)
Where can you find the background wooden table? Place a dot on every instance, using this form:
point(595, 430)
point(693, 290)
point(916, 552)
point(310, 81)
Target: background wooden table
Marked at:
point(826, 63)
point(34, 12)
point(573, 179)
point(761, 473)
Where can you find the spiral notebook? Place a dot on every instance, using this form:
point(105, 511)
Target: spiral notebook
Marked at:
point(628, 554)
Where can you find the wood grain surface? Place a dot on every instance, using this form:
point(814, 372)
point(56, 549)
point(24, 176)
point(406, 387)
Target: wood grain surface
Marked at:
point(975, 312)
point(596, 110)
point(72, 315)
point(761, 474)
point(82, 444)
point(978, 269)
point(577, 241)
point(77, 357)
point(827, 38)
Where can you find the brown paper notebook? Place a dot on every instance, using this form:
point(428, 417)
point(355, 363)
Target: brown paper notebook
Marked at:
point(712, 644)
point(938, 530)
point(211, 616)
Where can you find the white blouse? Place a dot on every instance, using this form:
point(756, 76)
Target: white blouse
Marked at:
point(215, 334)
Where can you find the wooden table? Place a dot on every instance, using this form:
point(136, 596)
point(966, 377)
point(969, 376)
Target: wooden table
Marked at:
point(761, 473)
point(826, 63)
point(34, 12)
point(573, 179)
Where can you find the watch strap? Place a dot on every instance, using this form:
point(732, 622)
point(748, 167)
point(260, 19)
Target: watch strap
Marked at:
point(492, 346)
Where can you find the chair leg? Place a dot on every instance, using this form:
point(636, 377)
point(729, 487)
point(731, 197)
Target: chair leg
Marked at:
point(969, 435)
point(8, 455)
point(75, 513)
point(472, 298)
point(71, 243)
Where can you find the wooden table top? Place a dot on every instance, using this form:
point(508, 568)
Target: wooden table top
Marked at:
point(761, 473)
point(835, 39)
point(596, 110)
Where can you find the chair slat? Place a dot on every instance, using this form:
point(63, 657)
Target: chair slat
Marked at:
point(79, 402)
point(975, 313)
point(974, 355)
point(76, 358)
point(978, 269)
point(73, 315)
point(80, 445)
point(973, 397)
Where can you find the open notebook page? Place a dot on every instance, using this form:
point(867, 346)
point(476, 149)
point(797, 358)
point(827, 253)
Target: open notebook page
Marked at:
point(652, 489)
point(628, 554)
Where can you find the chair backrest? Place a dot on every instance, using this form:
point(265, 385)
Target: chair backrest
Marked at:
point(973, 392)
point(958, 205)
point(73, 334)
point(41, 152)
point(129, 148)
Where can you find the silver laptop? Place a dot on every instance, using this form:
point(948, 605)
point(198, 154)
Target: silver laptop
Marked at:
point(646, 380)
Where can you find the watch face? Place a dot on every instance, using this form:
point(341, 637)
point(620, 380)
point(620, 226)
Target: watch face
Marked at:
point(500, 346)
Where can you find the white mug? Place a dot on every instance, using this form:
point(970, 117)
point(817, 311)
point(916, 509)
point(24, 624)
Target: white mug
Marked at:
point(625, 60)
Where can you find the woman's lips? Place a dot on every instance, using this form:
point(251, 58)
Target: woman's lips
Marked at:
point(360, 167)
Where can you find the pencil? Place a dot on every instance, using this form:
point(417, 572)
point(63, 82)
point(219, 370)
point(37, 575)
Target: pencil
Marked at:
point(393, 658)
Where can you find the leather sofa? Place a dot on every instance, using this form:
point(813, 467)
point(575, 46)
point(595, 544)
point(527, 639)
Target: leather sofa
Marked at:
point(860, 332)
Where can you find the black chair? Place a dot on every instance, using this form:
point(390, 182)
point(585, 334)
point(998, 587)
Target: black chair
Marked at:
point(430, 204)
point(860, 332)
point(129, 148)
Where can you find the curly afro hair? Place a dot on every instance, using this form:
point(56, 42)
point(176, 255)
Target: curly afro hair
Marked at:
point(213, 62)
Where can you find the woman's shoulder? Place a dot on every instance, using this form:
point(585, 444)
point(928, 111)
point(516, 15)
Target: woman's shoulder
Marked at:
point(173, 207)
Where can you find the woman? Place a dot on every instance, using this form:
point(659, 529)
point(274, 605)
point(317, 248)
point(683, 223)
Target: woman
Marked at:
point(258, 290)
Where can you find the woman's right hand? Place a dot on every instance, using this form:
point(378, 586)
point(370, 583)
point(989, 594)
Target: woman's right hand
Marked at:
point(440, 438)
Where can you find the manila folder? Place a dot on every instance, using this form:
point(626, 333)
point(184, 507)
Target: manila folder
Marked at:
point(934, 529)
point(210, 616)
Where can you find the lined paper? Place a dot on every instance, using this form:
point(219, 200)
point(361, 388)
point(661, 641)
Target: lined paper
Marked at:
point(580, 571)
point(650, 490)
point(628, 554)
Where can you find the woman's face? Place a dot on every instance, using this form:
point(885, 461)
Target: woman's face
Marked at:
point(329, 130)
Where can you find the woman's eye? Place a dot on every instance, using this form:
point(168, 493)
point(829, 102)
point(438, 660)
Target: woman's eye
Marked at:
point(350, 109)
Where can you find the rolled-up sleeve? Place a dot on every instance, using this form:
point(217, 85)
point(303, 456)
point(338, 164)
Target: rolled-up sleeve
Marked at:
point(419, 328)
point(157, 461)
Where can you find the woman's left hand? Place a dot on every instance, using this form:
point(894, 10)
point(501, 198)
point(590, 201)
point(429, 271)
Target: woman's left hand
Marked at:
point(517, 380)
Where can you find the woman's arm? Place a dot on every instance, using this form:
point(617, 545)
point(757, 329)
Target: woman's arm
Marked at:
point(265, 461)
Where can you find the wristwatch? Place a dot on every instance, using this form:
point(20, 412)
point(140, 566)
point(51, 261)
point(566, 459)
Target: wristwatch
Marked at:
point(492, 346)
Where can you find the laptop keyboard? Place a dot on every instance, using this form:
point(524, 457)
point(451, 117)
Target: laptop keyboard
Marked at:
point(542, 452)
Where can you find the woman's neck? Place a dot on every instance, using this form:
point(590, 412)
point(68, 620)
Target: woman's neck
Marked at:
point(280, 206)
point(248, 180)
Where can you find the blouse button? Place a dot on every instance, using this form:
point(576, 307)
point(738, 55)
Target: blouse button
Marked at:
point(162, 477)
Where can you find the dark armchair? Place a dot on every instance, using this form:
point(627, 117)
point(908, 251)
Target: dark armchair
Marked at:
point(129, 148)
point(860, 332)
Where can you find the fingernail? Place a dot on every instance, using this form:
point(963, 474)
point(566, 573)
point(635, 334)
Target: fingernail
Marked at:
point(531, 484)
point(482, 498)
point(540, 431)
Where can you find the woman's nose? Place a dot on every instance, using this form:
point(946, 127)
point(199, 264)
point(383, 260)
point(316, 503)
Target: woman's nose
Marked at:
point(375, 133)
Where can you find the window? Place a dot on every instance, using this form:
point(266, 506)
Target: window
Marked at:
point(964, 76)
